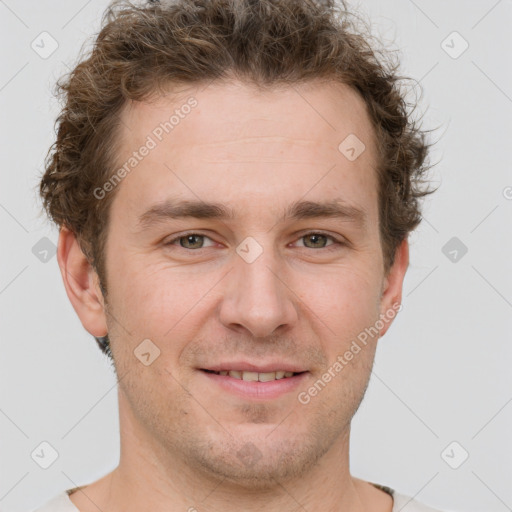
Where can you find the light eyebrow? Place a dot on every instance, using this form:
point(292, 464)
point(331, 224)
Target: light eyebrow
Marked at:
point(299, 210)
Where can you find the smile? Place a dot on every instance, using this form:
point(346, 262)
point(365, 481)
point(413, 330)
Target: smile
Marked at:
point(255, 376)
point(251, 385)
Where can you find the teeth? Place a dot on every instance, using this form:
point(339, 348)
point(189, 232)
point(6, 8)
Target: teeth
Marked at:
point(255, 376)
point(265, 377)
point(250, 376)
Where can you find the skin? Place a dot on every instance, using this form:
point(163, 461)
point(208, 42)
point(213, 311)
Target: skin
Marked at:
point(256, 152)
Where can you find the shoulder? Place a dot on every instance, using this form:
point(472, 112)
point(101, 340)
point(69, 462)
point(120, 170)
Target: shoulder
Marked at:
point(403, 503)
point(59, 503)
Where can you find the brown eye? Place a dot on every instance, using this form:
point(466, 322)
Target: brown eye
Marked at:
point(318, 240)
point(189, 241)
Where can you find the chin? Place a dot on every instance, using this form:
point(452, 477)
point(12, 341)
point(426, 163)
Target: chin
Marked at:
point(258, 464)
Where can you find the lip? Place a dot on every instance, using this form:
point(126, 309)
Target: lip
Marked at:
point(255, 390)
point(243, 366)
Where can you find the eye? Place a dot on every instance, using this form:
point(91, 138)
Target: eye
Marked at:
point(189, 241)
point(313, 240)
point(318, 240)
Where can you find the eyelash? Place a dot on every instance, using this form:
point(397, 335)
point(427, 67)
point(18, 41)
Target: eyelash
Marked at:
point(335, 241)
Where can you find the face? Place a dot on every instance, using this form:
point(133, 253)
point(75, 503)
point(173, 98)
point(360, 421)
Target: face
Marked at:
point(281, 274)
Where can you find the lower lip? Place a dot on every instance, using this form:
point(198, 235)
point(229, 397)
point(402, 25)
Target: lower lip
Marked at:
point(255, 389)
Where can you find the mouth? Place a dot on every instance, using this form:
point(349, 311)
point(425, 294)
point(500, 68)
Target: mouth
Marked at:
point(248, 384)
point(250, 376)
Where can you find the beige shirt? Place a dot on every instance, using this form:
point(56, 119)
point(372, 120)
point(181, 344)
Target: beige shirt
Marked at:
point(401, 503)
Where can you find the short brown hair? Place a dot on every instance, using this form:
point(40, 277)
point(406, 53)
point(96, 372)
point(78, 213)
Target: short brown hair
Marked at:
point(141, 50)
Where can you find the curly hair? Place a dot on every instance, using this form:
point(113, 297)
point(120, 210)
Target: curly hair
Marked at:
point(143, 49)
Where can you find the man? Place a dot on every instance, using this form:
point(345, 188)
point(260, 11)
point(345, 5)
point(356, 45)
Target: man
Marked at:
point(235, 182)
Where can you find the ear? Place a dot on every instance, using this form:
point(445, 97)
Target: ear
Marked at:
point(82, 284)
point(391, 298)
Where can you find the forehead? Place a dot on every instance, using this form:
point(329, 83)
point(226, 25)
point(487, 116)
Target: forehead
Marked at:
point(232, 141)
point(318, 112)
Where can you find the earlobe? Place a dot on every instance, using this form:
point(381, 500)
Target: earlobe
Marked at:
point(81, 283)
point(391, 299)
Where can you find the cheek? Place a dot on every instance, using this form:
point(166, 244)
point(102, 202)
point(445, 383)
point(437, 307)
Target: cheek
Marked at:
point(348, 309)
point(344, 300)
point(160, 302)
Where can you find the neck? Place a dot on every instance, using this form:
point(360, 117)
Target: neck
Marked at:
point(153, 477)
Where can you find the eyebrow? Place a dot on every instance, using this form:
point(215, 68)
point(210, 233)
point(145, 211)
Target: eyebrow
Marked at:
point(299, 210)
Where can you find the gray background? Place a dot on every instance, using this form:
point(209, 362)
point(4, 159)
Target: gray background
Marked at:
point(442, 372)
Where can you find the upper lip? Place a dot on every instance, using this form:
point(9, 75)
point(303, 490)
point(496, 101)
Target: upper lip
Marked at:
point(243, 366)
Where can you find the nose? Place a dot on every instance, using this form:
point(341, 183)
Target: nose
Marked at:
point(257, 297)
